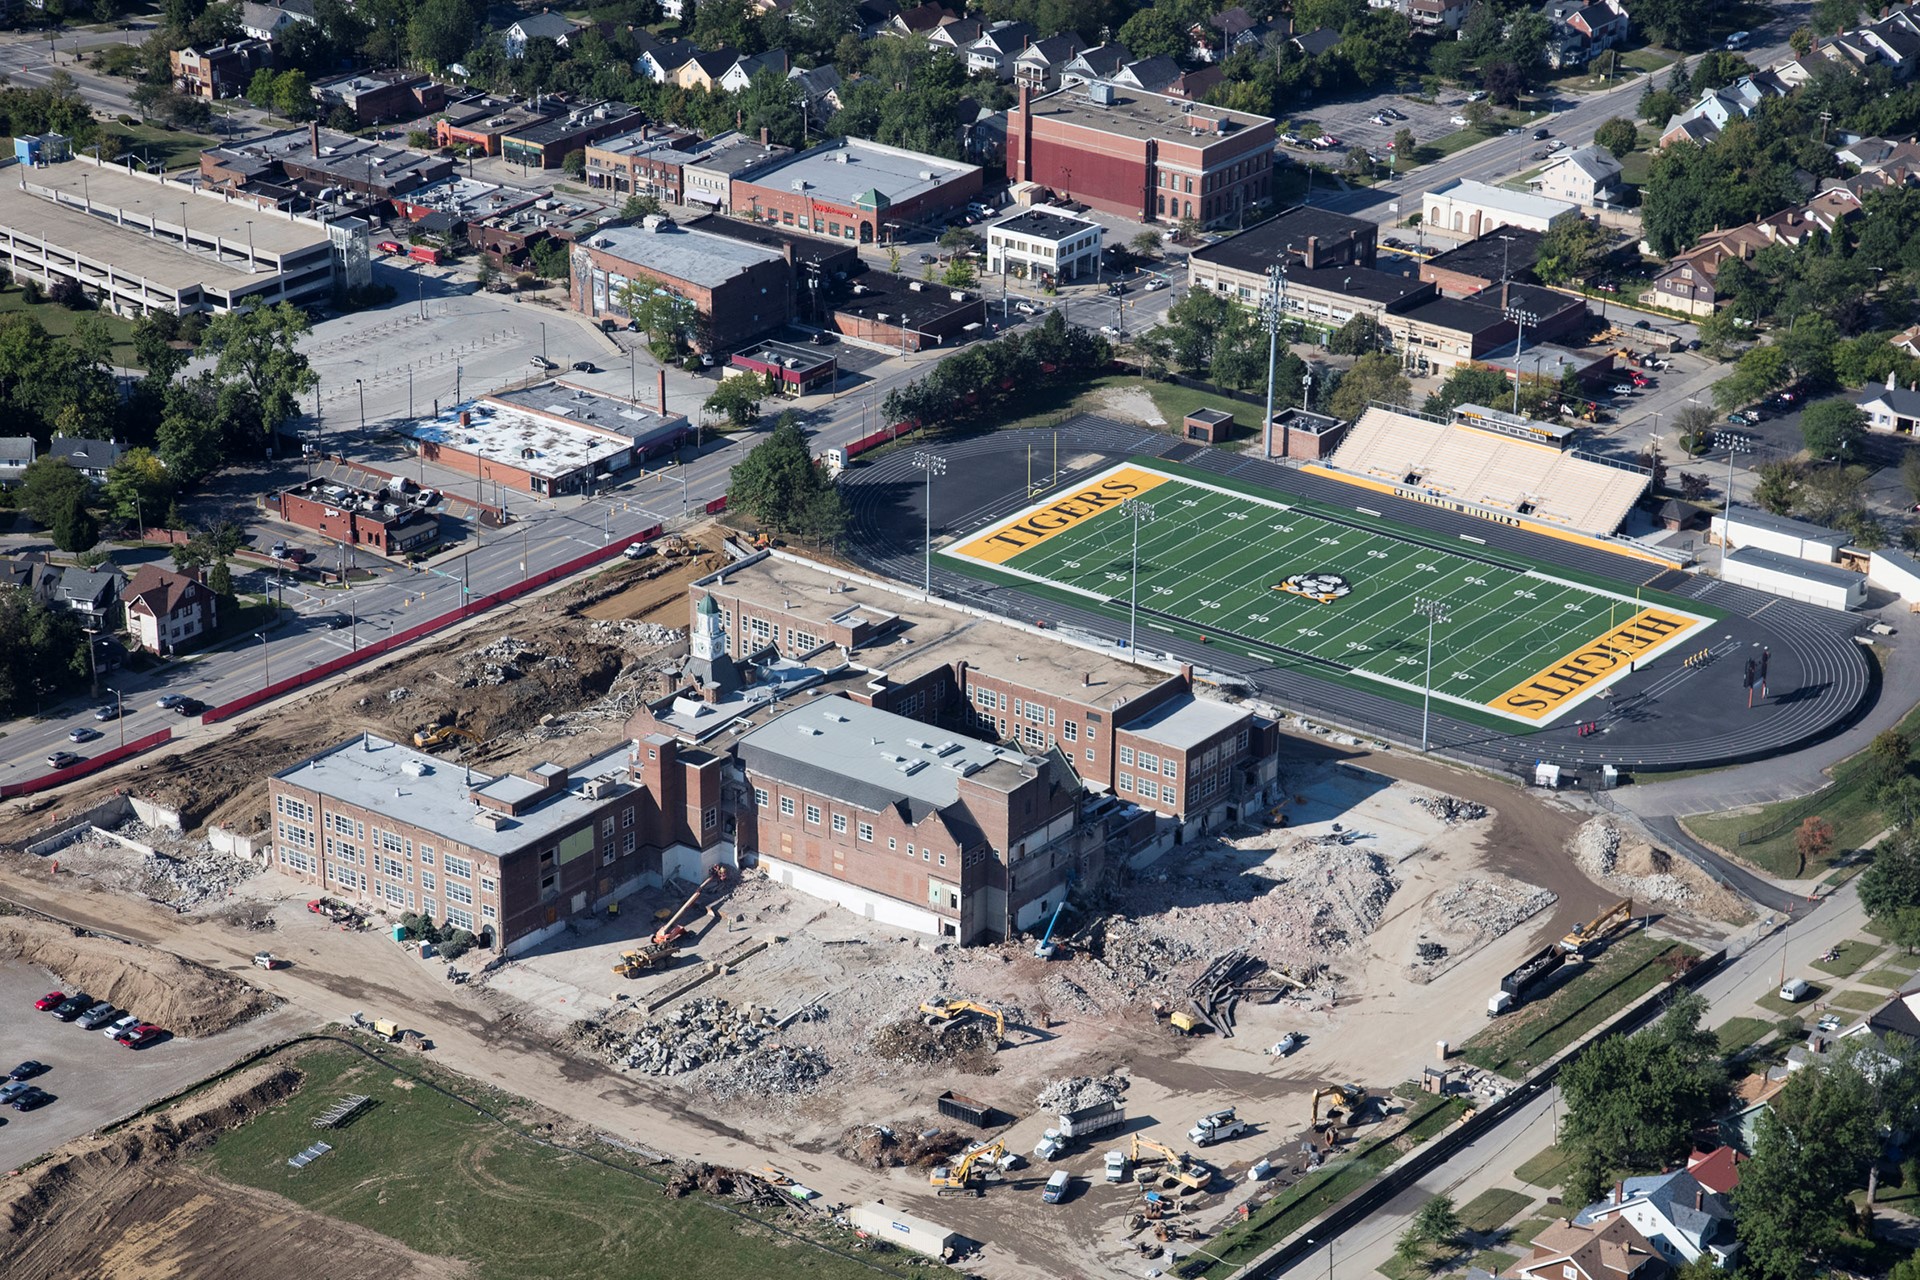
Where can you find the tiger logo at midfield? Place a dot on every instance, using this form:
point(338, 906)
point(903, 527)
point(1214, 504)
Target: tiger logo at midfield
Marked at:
point(1324, 587)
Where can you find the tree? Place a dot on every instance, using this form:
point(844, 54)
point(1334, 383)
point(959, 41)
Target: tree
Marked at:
point(549, 259)
point(1375, 377)
point(959, 274)
point(1567, 251)
point(638, 207)
point(1158, 32)
point(1886, 762)
point(137, 485)
point(1833, 429)
point(1404, 147)
point(153, 337)
point(1634, 1101)
point(1356, 337)
point(258, 357)
point(1618, 136)
point(1146, 244)
point(1467, 384)
point(1813, 841)
point(665, 317)
point(1479, 115)
point(294, 96)
point(1436, 1221)
point(1892, 884)
point(440, 31)
point(1778, 488)
point(1695, 423)
point(51, 490)
point(574, 163)
point(960, 239)
point(192, 425)
point(1811, 1147)
point(737, 399)
point(779, 485)
point(1357, 161)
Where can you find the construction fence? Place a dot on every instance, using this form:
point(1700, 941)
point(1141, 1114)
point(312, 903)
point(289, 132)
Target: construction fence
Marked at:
point(74, 772)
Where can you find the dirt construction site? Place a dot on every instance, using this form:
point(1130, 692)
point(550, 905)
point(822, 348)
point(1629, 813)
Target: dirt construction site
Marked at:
point(1337, 945)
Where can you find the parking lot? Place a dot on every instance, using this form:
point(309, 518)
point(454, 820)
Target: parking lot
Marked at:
point(92, 1079)
point(1349, 120)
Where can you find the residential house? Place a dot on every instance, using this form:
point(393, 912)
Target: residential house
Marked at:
point(1687, 283)
point(1587, 177)
point(16, 455)
point(738, 76)
point(993, 53)
point(921, 20)
point(1718, 1169)
point(1153, 75)
point(870, 16)
point(1433, 17)
point(957, 36)
point(268, 21)
point(1038, 66)
point(1317, 44)
point(90, 594)
point(1907, 340)
point(818, 87)
point(1613, 1250)
point(662, 59)
point(1894, 409)
point(1579, 32)
point(91, 458)
point(1677, 1214)
point(1717, 107)
point(1218, 36)
point(1102, 62)
point(218, 71)
point(166, 610)
point(704, 69)
point(545, 25)
point(1893, 42)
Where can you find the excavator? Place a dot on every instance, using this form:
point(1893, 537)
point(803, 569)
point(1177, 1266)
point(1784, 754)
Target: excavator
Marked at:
point(967, 1170)
point(440, 733)
point(1613, 918)
point(1194, 1175)
point(1347, 1098)
point(672, 931)
point(941, 1012)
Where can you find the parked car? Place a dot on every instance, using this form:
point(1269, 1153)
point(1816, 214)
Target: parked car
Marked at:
point(49, 1000)
point(97, 1017)
point(83, 734)
point(134, 1037)
point(11, 1091)
point(1291, 139)
point(31, 1099)
point(1623, 388)
point(63, 760)
point(1796, 989)
point(1741, 419)
point(1478, 95)
point(1057, 1187)
point(1642, 324)
point(390, 246)
point(1392, 114)
point(278, 551)
point(1459, 122)
point(638, 550)
point(585, 366)
point(73, 1006)
point(128, 1023)
point(27, 1070)
point(541, 362)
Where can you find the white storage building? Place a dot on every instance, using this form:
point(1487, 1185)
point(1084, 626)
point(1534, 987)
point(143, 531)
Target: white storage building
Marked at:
point(884, 1222)
point(1797, 538)
point(1811, 583)
point(1895, 571)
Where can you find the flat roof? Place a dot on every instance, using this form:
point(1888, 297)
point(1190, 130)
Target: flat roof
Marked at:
point(1357, 282)
point(1455, 313)
point(1826, 575)
point(877, 291)
point(728, 158)
point(785, 355)
point(504, 432)
point(1519, 203)
point(1755, 518)
point(339, 154)
point(698, 257)
point(554, 128)
point(563, 399)
point(1509, 249)
point(472, 198)
point(878, 758)
point(372, 772)
point(491, 113)
point(843, 170)
point(806, 246)
point(1185, 722)
point(131, 249)
point(1283, 238)
point(1135, 113)
point(1045, 223)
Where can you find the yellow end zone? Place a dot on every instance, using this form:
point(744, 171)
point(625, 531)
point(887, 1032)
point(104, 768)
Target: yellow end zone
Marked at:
point(1036, 524)
point(1547, 692)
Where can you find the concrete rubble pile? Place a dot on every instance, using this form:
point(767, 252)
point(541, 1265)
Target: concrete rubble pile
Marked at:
point(639, 635)
point(197, 877)
point(1491, 904)
point(1635, 868)
point(768, 1070)
point(1448, 809)
point(1071, 1093)
point(708, 1031)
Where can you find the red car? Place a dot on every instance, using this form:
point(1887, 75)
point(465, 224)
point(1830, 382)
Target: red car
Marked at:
point(134, 1037)
point(49, 1000)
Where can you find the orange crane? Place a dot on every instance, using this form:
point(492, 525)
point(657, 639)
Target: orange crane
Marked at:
point(673, 930)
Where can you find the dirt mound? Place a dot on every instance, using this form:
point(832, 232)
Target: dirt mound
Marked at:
point(121, 1208)
point(1076, 1092)
point(1651, 874)
point(890, 1146)
point(186, 998)
point(968, 1046)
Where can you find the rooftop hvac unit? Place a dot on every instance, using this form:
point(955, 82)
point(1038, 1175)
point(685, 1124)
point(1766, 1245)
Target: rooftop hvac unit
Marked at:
point(1100, 93)
point(838, 157)
point(915, 285)
point(926, 175)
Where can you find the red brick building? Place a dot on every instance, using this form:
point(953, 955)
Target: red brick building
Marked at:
point(854, 190)
point(740, 290)
point(383, 523)
point(1142, 155)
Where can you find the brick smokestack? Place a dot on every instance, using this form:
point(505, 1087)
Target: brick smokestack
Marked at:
point(313, 136)
point(1025, 151)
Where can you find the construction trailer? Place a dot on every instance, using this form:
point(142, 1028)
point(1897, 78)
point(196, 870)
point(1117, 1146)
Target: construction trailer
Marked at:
point(884, 1222)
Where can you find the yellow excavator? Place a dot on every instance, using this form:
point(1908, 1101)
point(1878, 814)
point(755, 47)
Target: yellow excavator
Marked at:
point(941, 1012)
point(1612, 919)
point(1194, 1175)
point(963, 1173)
point(440, 733)
point(1347, 1098)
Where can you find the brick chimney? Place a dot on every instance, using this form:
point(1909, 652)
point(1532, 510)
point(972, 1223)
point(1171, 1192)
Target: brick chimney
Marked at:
point(313, 136)
point(1619, 1192)
point(1699, 1198)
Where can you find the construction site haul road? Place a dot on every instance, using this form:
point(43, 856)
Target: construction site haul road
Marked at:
point(1104, 1094)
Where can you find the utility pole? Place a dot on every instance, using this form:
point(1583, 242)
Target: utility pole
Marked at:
point(1435, 612)
point(933, 465)
point(1141, 512)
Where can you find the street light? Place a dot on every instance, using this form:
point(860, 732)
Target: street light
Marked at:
point(1435, 612)
point(120, 714)
point(1733, 442)
point(934, 465)
point(266, 663)
point(543, 340)
point(1141, 512)
point(251, 267)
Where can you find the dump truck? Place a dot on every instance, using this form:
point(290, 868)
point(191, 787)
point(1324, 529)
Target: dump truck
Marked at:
point(655, 955)
point(1216, 1126)
point(1087, 1123)
point(1515, 986)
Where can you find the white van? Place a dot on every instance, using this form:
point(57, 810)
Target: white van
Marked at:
point(1739, 39)
point(1796, 989)
point(1056, 1189)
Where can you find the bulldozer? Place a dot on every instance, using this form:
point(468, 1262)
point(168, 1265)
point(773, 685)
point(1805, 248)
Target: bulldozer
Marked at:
point(969, 1170)
point(673, 930)
point(942, 1012)
point(440, 733)
point(1176, 1166)
point(1348, 1098)
point(1614, 918)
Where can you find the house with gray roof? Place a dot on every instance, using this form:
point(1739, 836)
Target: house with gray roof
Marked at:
point(1892, 408)
point(1587, 176)
point(91, 458)
point(16, 455)
point(546, 25)
point(1675, 1212)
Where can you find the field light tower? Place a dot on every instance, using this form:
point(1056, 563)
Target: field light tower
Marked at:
point(1141, 512)
point(1436, 613)
point(934, 465)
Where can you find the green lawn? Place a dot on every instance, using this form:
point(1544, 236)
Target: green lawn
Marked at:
point(1646, 59)
point(1634, 168)
point(1891, 978)
point(1493, 1208)
point(60, 322)
point(1516, 1042)
point(1524, 1233)
point(171, 148)
point(1853, 956)
point(1493, 1260)
point(1546, 1169)
point(441, 1178)
point(1857, 1001)
point(1792, 1008)
point(1739, 1033)
point(1314, 1194)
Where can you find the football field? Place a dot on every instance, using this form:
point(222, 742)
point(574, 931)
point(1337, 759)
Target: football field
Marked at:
point(1337, 591)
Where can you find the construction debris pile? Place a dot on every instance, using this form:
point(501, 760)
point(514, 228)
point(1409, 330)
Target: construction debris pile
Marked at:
point(1469, 914)
point(199, 877)
point(735, 1184)
point(498, 662)
point(1637, 868)
point(1074, 1093)
point(707, 1031)
point(1448, 809)
point(879, 1146)
point(641, 635)
point(157, 864)
point(911, 1040)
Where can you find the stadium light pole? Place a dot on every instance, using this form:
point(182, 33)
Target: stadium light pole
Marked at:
point(1733, 442)
point(1270, 315)
point(934, 465)
point(1141, 513)
point(1521, 317)
point(1435, 612)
